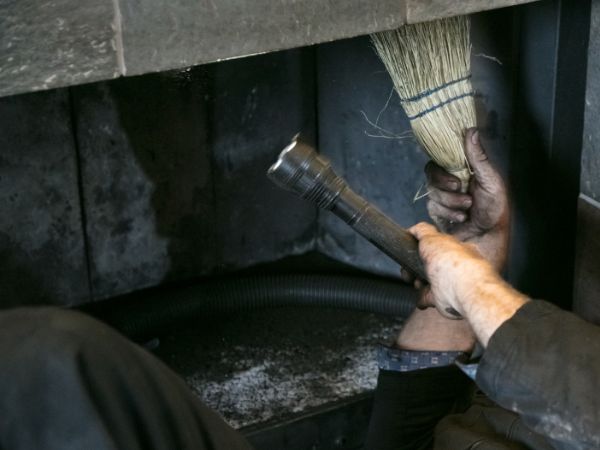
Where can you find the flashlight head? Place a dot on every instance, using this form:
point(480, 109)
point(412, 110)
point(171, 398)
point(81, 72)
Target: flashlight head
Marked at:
point(300, 169)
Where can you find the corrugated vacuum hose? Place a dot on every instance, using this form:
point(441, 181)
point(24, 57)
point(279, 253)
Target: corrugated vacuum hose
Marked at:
point(144, 314)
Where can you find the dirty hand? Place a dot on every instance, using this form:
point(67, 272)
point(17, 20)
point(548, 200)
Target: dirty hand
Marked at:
point(451, 268)
point(481, 216)
point(461, 279)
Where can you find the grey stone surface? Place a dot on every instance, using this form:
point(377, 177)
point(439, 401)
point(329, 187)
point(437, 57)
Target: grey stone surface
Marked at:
point(590, 158)
point(492, 66)
point(259, 104)
point(190, 32)
point(66, 42)
point(147, 180)
point(174, 170)
point(424, 10)
point(56, 43)
point(544, 181)
point(41, 236)
point(272, 365)
point(587, 261)
point(353, 90)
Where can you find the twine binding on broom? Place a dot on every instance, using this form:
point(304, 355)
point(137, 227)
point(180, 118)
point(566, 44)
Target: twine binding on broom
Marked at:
point(440, 105)
point(427, 92)
point(430, 66)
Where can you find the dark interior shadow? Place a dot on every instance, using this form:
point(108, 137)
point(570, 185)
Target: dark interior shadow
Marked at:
point(545, 175)
point(205, 137)
point(20, 284)
point(165, 120)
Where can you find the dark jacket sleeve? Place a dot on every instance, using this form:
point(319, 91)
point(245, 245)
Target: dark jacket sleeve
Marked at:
point(544, 363)
point(408, 406)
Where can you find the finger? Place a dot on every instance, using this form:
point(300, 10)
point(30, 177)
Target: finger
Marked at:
point(439, 212)
point(478, 160)
point(406, 276)
point(450, 199)
point(422, 230)
point(426, 299)
point(438, 178)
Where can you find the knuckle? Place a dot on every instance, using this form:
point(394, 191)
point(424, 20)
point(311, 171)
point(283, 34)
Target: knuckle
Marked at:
point(434, 193)
point(453, 201)
point(431, 208)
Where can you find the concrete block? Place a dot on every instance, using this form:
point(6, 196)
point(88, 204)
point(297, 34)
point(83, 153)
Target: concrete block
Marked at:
point(174, 170)
point(590, 157)
point(259, 105)
point(44, 45)
point(41, 235)
point(147, 180)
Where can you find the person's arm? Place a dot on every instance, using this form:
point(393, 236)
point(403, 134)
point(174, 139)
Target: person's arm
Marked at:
point(461, 279)
point(544, 363)
point(540, 362)
point(480, 217)
point(409, 403)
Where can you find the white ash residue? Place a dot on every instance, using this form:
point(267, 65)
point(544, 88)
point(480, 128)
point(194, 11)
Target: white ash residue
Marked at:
point(274, 381)
point(272, 365)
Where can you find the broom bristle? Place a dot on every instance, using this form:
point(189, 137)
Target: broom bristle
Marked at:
point(430, 66)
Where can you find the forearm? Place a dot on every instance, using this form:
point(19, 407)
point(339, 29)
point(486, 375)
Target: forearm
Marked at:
point(487, 303)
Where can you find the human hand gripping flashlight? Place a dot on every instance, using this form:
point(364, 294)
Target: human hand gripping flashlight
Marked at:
point(303, 171)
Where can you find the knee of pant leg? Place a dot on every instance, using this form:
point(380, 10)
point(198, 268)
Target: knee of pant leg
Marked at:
point(47, 332)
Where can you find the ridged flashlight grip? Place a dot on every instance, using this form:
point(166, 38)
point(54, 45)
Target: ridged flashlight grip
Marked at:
point(301, 170)
point(391, 239)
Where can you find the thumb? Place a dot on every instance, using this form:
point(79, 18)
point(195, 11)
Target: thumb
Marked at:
point(477, 157)
point(422, 230)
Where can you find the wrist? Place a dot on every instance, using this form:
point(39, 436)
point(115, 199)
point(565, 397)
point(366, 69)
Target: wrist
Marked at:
point(493, 246)
point(488, 304)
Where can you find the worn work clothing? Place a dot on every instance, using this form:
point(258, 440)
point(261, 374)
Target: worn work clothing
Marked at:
point(543, 363)
point(68, 382)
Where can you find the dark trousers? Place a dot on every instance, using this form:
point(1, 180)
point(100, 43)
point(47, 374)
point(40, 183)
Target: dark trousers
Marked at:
point(439, 408)
point(70, 382)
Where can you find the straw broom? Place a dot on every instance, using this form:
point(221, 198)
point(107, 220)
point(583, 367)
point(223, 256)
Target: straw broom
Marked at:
point(430, 66)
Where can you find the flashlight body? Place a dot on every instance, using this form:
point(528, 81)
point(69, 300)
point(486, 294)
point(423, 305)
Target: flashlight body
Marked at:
point(380, 230)
point(306, 173)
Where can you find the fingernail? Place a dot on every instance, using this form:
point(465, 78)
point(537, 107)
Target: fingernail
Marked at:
point(453, 185)
point(453, 312)
point(467, 203)
point(461, 217)
point(475, 138)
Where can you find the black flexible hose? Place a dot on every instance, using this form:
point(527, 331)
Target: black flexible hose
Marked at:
point(142, 314)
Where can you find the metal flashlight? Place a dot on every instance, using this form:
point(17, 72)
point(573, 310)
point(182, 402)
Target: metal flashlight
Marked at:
point(301, 170)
